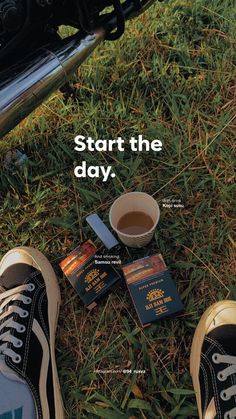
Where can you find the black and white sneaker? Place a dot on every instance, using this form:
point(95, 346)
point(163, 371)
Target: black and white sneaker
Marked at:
point(213, 362)
point(29, 306)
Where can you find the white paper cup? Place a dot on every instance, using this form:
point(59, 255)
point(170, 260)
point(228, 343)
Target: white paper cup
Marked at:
point(129, 202)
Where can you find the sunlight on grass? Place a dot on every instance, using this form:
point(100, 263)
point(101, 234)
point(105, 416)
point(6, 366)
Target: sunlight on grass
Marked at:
point(170, 77)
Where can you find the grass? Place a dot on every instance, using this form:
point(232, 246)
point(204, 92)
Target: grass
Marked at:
point(171, 77)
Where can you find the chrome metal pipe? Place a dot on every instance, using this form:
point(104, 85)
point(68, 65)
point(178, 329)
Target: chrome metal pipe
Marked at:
point(25, 86)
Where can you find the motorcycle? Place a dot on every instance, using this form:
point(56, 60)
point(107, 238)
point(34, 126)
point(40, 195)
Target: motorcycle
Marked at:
point(35, 61)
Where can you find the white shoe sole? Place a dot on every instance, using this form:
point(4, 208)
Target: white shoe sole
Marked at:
point(211, 318)
point(39, 261)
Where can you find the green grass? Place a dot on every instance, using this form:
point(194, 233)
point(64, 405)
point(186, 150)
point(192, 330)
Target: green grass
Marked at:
point(171, 77)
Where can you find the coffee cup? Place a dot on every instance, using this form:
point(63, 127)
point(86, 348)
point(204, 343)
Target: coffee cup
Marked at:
point(134, 217)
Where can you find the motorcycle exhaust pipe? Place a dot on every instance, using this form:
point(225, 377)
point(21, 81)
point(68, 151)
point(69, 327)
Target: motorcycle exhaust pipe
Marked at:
point(25, 86)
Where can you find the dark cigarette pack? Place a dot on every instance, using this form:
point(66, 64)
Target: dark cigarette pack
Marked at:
point(152, 289)
point(90, 280)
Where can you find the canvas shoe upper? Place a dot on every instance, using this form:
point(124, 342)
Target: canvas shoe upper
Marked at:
point(213, 362)
point(29, 305)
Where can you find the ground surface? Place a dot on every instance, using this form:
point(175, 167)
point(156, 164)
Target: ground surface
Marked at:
point(172, 77)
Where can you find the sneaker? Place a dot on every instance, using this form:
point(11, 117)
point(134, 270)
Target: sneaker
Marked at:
point(29, 307)
point(213, 362)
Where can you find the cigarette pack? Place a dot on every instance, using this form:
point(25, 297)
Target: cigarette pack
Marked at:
point(152, 289)
point(90, 280)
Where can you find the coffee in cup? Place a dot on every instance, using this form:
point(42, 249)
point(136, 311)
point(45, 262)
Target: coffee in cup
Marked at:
point(134, 217)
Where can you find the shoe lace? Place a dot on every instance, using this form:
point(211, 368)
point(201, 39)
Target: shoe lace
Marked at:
point(222, 375)
point(7, 321)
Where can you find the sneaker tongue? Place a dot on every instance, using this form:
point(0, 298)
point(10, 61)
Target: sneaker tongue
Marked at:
point(15, 275)
point(225, 336)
